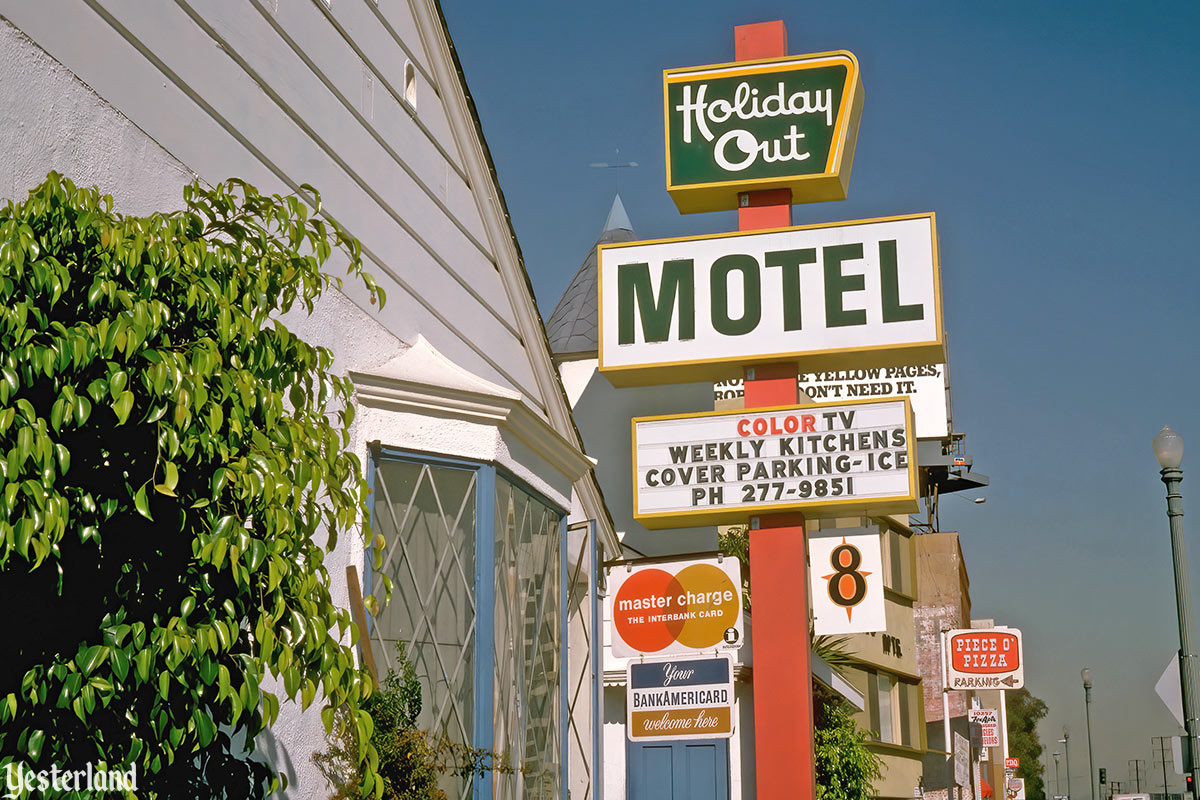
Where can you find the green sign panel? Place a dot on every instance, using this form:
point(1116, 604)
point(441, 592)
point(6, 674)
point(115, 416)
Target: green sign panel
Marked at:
point(787, 123)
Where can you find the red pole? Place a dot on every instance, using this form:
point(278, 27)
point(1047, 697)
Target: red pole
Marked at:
point(783, 703)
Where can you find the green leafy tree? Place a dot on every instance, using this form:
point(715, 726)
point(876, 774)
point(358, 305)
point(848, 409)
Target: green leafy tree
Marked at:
point(172, 472)
point(1024, 712)
point(846, 769)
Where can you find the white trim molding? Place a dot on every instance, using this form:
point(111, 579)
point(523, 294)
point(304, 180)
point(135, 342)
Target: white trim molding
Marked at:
point(423, 381)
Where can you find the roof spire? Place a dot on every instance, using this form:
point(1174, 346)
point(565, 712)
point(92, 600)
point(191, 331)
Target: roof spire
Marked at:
point(617, 218)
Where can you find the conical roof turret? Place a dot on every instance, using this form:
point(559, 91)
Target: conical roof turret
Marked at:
point(573, 328)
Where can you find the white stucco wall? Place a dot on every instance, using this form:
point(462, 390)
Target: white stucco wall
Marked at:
point(51, 120)
point(602, 413)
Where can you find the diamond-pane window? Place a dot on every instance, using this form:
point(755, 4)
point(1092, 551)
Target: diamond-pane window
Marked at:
point(427, 515)
point(527, 705)
point(504, 635)
point(583, 671)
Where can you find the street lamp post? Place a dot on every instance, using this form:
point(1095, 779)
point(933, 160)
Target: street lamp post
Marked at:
point(1086, 674)
point(1066, 743)
point(1057, 782)
point(1168, 450)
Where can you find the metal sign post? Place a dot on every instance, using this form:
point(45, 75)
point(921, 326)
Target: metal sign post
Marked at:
point(1004, 729)
point(785, 763)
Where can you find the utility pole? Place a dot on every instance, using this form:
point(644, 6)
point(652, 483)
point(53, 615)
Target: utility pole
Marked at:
point(1161, 742)
point(1135, 768)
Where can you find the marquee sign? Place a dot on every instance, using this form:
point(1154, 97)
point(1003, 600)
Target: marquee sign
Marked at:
point(846, 574)
point(846, 295)
point(985, 658)
point(787, 123)
point(668, 608)
point(719, 467)
point(688, 698)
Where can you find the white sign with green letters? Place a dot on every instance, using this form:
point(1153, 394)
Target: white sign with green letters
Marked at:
point(836, 296)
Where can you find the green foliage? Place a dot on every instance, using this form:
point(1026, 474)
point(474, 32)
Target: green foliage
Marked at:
point(846, 769)
point(734, 540)
point(167, 454)
point(410, 761)
point(1024, 712)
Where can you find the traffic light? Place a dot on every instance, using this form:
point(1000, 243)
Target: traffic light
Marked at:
point(1103, 776)
point(1191, 789)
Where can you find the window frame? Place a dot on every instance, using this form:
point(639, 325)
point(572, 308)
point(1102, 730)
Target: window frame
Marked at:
point(487, 473)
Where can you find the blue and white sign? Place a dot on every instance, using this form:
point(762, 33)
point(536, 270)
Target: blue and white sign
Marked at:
point(680, 698)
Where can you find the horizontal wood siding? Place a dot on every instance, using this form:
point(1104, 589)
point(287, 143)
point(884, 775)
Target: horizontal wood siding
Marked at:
point(297, 91)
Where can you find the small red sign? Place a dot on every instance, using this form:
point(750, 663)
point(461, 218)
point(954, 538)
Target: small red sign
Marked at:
point(1012, 763)
point(985, 653)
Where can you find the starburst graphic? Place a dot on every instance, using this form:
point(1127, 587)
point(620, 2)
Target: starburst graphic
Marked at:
point(851, 586)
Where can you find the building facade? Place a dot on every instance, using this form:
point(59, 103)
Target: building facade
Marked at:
point(885, 664)
point(494, 521)
point(943, 604)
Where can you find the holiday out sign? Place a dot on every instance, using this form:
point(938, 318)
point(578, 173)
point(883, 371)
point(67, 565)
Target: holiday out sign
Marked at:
point(985, 658)
point(719, 467)
point(788, 123)
point(685, 698)
point(865, 293)
point(676, 607)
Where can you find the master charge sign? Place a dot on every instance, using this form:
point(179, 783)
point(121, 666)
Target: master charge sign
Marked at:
point(665, 608)
point(721, 466)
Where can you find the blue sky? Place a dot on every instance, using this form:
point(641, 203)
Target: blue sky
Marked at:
point(1057, 143)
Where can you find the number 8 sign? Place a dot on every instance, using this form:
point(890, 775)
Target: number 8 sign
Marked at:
point(846, 578)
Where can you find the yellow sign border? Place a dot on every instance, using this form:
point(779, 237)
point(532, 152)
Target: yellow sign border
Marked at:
point(822, 507)
point(704, 369)
point(818, 187)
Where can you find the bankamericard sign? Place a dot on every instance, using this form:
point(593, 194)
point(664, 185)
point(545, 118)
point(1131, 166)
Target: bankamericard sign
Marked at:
point(680, 699)
point(782, 123)
point(846, 295)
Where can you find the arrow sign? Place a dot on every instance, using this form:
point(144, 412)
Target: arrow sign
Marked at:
point(985, 658)
point(1167, 688)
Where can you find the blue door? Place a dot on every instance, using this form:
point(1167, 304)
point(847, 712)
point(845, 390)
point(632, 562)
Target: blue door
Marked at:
point(696, 769)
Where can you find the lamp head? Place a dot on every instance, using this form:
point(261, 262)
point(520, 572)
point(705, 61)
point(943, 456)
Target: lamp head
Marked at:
point(1168, 448)
point(1086, 674)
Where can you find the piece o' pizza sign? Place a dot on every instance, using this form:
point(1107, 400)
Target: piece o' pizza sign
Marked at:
point(985, 658)
point(668, 608)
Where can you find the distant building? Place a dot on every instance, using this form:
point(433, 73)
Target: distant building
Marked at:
point(943, 603)
point(886, 667)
